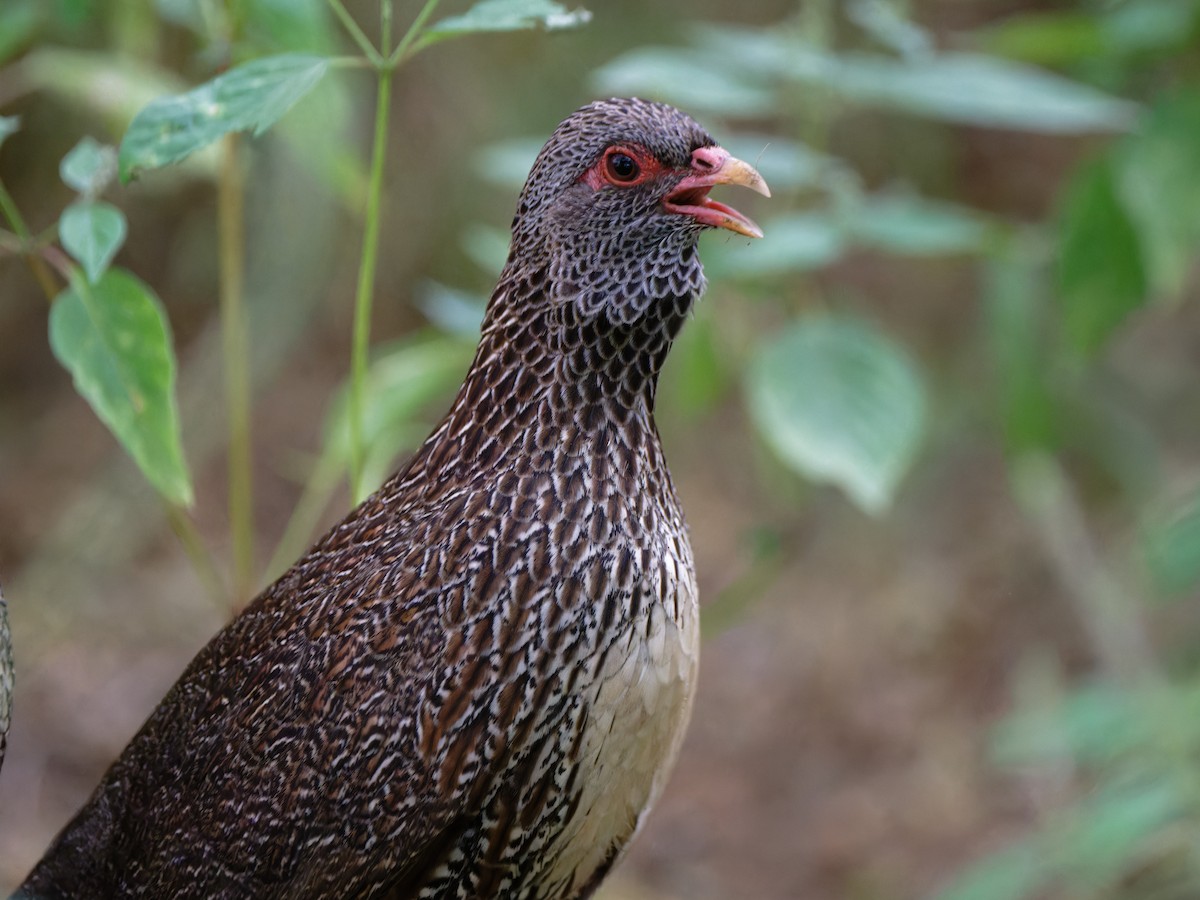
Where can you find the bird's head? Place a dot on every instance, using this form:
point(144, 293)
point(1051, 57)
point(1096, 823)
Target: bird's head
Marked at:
point(615, 203)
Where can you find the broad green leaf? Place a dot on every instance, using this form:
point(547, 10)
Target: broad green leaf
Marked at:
point(89, 167)
point(1158, 183)
point(687, 79)
point(907, 224)
point(92, 232)
point(251, 97)
point(19, 22)
point(114, 339)
point(980, 90)
point(9, 125)
point(508, 15)
point(799, 242)
point(1100, 270)
point(1171, 548)
point(840, 403)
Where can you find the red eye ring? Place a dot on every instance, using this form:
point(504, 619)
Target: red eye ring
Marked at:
point(620, 166)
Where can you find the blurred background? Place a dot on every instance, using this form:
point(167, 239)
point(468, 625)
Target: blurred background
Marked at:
point(937, 435)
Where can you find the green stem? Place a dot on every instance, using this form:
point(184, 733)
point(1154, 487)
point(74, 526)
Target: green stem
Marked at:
point(202, 561)
point(414, 30)
point(366, 287)
point(36, 264)
point(235, 348)
point(364, 44)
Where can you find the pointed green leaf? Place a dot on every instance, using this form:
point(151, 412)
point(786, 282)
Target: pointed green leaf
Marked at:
point(89, 167)
point(9, 125)
point(840, 403)
point(114, 339)
point(1100, 273)
point(250, 97)
point(1158, 182)
point(92, 232)
point(508, 15)
point(907, 224)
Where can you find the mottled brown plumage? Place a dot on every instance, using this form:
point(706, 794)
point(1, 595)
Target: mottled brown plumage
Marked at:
point(475, 684)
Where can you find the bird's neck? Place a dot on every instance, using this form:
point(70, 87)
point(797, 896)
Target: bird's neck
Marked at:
point(551, 376)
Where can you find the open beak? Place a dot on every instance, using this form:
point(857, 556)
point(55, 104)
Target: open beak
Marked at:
point(712, 166)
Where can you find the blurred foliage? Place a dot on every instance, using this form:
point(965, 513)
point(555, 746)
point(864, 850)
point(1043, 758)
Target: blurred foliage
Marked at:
point(1102, 467)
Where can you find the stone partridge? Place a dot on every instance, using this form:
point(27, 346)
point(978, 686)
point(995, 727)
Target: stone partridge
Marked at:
point(475, 685)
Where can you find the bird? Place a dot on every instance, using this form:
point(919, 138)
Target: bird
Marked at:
point(476, 684)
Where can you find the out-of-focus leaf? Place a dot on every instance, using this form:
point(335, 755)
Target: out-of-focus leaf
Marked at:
point(799, 242)
point(487, 246)
point(1158, 182)
point(508, 15)
point(402, 379)
point(1171, 548)
point(906, 224)
point(784, 163)
point(1014, 306)
point(694, 375)
point(291, 26)
point(1094, 724)
point(840, 403)
point(9, 125)
point(981, 90)
point(19, 23)
point(114, 339)
point(1141, 26)
point(89, 167)
point(1109, 829)
point(1100, 271)
point(1013, 873)
point(452, 310)
point(1046, 38)
point(882, 21)
point(249, 97)
point(687, 79)
point(507, 163)
point(92, 232)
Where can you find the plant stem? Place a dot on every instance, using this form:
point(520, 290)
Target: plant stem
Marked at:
point(414, 30)
point(366, 287)
point(202, 561)
point(364, 44)
point(36, 264)
point(231, 247)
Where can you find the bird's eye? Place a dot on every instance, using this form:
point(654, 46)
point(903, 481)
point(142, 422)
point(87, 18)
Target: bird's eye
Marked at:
point(621, 166)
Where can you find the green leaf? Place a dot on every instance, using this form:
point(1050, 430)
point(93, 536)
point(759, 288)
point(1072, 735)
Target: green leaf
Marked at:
point(19, 22)
point(92, 232)
point(452, 310)
point(688, 79)
point(1015, 311)
point(840, 403)
point(980, 90)
point(1171, 548)
point(1013, 873)
point(508, 15)
point(906, 224)
point(1100, 273)
point(114, 339)
point(89, 167)
point(883, 22)
point(251, 97)
point(799, 242)
point(1046, 38)
point(1158, 182)
point(9, 125)
point(507, 163)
